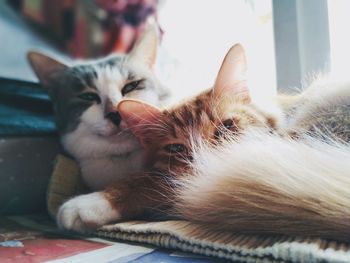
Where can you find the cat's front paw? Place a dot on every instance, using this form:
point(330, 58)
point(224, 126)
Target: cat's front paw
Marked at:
point(86, 212)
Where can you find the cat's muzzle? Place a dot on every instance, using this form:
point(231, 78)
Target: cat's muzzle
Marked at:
point(114, 117)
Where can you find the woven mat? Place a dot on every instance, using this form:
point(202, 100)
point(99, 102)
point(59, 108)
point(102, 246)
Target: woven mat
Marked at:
point(188, 237)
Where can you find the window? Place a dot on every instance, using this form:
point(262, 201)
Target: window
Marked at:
point(339, 21)
point(198, 33)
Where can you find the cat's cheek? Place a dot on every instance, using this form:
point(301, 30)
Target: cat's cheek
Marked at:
point(95, 121)
point(146, 95)
point(86, 213)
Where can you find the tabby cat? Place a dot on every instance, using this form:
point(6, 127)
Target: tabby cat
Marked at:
point(85, 98)
point(221, 160)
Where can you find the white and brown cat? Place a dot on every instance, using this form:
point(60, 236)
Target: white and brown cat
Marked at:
point(221, 160)
point(85, 98)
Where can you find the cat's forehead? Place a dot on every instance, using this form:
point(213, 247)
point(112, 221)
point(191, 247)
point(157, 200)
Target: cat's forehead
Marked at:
point(189, 117)
point(113, 68)
point(199, 116)
point(113, 77)
point(191, 111)
point(81, 77)
point(102, 75)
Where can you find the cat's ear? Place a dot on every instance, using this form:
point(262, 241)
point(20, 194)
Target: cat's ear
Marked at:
point(45, 67)
point(145, 48)
point(138, 115)
point(232, 77)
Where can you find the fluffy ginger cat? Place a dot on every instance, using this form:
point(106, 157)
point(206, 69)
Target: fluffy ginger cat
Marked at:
point(84, 98)
point(222, 161)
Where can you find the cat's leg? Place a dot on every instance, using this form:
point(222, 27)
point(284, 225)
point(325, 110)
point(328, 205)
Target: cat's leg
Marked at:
point(126, 200)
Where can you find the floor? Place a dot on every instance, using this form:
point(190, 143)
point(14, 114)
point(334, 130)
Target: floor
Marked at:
point(34, 239)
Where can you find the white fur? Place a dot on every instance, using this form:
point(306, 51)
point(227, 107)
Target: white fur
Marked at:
point(110, 82)
point(102, 159)
point(308, 186)
point(104, 151)
point(322, 168)
point(86, 212)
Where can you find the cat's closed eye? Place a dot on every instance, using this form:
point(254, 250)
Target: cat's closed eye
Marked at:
point(131, 86)
point(90, 96)
point(175, 148)
point(227, 125)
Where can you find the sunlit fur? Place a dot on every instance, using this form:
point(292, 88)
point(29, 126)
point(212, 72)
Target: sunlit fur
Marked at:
point(152, 193)
point(294, 181)
point(281, 172)
point(266, 184)
point(258, 177)
point(268, 175)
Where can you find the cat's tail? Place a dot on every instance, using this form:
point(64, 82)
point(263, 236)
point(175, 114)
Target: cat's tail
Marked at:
point(271, 186)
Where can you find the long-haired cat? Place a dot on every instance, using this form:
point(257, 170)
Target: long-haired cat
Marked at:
point(222, 161)
point(85, 98)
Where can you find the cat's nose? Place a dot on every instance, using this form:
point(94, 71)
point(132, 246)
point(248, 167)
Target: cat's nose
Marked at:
point(114, 117)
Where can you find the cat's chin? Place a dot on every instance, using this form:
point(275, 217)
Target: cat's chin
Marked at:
point(83, 143)
point(125, 142)
point(116, 134)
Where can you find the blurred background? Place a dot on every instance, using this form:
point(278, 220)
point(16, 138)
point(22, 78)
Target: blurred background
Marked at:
point(287, 40)
point(196, 35)
point(299, 37)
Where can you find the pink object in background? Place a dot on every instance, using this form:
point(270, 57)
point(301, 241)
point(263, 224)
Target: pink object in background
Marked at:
point(125, 21)
point(89, 29)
